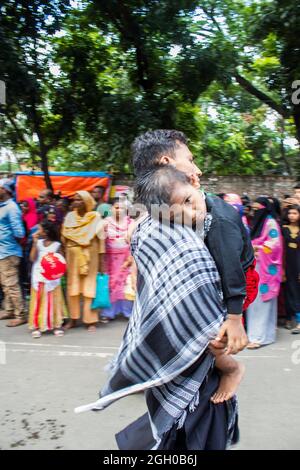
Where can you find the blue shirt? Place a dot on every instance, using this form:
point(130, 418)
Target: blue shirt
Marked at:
point(11, 227)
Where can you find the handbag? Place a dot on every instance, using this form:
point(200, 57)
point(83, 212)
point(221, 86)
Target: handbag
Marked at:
point(101, 299)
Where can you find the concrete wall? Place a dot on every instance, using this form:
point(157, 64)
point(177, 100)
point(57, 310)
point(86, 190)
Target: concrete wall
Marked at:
point(254, 186)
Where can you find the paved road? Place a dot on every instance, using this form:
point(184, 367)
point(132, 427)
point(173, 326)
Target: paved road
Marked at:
point(43, 380)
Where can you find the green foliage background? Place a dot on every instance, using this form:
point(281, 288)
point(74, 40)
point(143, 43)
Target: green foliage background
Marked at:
point(84, 78)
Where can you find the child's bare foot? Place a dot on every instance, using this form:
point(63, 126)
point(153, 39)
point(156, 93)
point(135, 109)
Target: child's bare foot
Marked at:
point(229, 383)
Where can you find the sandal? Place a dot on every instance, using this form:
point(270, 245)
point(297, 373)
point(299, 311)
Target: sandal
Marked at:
point(71, 324)
point(92, 329)
point(104, 320)
point(296, 330)
point(288, 325)
point(253, 346)
point(36, 334)
point(58, 333)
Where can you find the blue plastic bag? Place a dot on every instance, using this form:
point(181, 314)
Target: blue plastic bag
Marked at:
point(102, 299)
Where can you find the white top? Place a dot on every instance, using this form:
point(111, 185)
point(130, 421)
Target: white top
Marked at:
point(36, 274)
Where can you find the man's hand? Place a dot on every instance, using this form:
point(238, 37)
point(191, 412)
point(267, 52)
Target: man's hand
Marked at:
point(237, 338)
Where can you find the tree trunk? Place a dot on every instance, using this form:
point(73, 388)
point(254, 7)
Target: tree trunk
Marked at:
point(296, 116)
point(282, 149)
point(44, 166)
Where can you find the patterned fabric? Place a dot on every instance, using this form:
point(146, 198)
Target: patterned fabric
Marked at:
point(117, 252)
point(47, 307)
point(178, 310)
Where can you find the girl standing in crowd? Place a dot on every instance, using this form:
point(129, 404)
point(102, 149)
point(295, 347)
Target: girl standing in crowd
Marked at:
point(267, 243)
point(84, 244)
point(47, 307)
point(291, 267)
point(119, 262)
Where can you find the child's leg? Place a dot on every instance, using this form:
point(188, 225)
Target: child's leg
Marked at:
point(232, 373)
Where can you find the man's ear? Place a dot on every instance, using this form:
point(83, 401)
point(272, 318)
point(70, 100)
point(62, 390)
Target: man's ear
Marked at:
point(165, 160)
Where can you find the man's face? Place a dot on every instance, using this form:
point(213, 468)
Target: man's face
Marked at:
point(184, 161)
point(188, 204)
point(24, 207)
point(97, 194)
point(43, 198)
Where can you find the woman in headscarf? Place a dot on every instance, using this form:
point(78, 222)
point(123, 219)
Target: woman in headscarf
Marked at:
point(235, 201)
point(119, 262)
point(29, 214)
point(84, 244)
point(267, 244)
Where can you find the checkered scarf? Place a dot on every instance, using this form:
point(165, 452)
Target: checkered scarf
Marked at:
point(177, 312)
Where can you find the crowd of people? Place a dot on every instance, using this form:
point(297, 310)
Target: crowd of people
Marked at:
point(93, 235)
point(89, 233)
point(274, 228)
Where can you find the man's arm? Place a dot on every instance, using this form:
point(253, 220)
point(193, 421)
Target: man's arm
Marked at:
point(15, 220)
point(226, 245)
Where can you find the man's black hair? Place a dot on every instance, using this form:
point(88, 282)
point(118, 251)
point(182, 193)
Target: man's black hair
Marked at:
point(297, 186)
point(150, 146)
point(156, 185)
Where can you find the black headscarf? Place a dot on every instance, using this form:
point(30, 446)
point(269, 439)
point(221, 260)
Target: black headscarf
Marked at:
point(260, 216)
point(277, 208)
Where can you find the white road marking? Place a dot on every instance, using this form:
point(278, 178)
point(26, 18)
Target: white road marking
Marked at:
point(51, 352)
point(60, 345)
point(255, 357)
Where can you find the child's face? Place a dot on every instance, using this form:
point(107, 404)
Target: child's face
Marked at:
point(119, 210)
point(188, 204)
point(41, 232)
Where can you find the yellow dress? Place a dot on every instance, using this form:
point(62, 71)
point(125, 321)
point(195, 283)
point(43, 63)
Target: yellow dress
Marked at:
point(83, 239)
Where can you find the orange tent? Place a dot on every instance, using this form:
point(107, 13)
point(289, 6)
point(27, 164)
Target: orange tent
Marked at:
point(30, 184)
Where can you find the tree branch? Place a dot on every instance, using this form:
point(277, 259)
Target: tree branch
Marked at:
point(19, 132)
point(250, 88)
